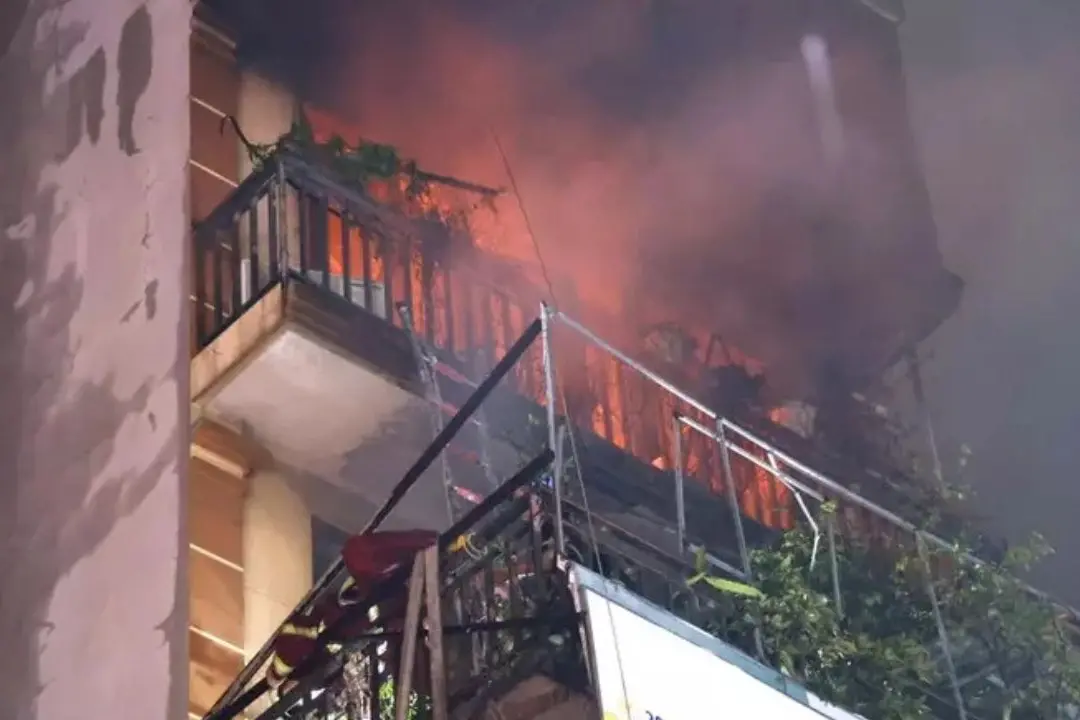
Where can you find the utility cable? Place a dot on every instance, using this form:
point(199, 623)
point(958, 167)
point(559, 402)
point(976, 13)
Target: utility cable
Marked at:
point(575, 453)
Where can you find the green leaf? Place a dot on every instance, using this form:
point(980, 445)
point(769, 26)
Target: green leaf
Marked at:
point(701, 561)
point(733, 587)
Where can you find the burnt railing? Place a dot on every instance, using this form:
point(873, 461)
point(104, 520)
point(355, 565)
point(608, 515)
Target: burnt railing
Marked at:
point(292, 220)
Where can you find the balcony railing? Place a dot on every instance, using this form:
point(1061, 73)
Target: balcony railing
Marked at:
point(280, 225)
point(292, 221)
point(506, 616)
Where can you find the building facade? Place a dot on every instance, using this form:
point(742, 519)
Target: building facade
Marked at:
point(186, 461)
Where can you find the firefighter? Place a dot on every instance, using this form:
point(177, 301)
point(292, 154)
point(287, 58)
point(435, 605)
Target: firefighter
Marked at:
point(367, 559)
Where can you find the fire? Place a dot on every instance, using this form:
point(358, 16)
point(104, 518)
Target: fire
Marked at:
point(453, 310)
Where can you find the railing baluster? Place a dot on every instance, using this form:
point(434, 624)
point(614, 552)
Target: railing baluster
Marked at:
point(304, 226)
point(470, 348)
point(487, 341)
point(273, 227)
point(624, 424)
point(427, 292)
point(219, 290)
point(680, 497)
point(321, 259)
point(365, 269)
point(254, 262)
point(509, 333)
point(448, 309)
point(387, 252)
point(406, 249)
point(236, 269)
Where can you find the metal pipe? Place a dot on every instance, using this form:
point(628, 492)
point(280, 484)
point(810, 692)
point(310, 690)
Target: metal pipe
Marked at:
point(939, 620)
point(831, 486)
point(740, 534)
point(634, 365)
point(805, 511)
point(830, 529)
point(733, 499)
point(791, 483)
point(915, 375)
point(828, 484)
point(549, 395)
point(680, 497)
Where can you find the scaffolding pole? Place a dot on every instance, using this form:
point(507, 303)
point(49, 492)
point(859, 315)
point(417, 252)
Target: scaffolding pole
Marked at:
point(425, 364)
point(919, 392)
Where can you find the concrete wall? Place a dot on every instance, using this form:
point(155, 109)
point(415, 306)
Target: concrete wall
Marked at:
point(93, 352)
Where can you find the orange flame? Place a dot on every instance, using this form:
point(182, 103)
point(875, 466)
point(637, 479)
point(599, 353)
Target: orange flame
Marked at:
point(761, 496)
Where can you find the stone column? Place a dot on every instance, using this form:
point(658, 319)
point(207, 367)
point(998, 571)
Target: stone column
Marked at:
point(94, 139)
point(277, 555)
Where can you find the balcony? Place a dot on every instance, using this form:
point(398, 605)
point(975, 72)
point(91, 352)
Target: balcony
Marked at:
point(545, 558)
point(525, 634)
point(624, 473)
point(321, 372)
point(324, 373)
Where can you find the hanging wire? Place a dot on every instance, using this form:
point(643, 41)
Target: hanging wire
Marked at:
point(574, 451)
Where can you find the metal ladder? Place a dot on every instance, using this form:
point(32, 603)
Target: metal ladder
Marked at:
point(426, 362)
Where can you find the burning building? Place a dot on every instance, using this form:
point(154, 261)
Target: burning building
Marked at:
point(340, 292)
point(588, 411)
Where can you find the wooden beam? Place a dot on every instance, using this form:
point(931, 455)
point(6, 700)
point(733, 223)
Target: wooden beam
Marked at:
point(435, 633)
point(403, 685)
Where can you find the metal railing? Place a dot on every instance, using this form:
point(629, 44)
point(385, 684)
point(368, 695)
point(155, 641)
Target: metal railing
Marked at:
point(499, 598)
point(808, 488)
point(290, 221)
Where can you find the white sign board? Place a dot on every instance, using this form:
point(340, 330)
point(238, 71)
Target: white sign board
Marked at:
point(648, 672)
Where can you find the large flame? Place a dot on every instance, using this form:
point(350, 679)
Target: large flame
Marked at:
point(624, 409)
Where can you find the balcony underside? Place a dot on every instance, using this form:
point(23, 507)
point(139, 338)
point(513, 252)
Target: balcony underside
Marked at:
point(333, 394)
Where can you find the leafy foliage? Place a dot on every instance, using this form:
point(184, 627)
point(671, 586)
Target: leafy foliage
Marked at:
point(356, 164)
point(881, 656)
point(419, 705)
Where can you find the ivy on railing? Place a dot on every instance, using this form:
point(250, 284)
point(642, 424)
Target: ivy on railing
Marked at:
point(356, 163)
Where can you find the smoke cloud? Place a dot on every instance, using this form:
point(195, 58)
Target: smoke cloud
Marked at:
point(996, 107)
point(636, 139)
point(668, 154)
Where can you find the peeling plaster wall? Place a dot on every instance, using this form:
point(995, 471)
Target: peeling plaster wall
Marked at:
point(94, 138)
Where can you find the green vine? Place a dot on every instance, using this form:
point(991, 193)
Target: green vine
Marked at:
point(880, 655)
point(356, 164)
